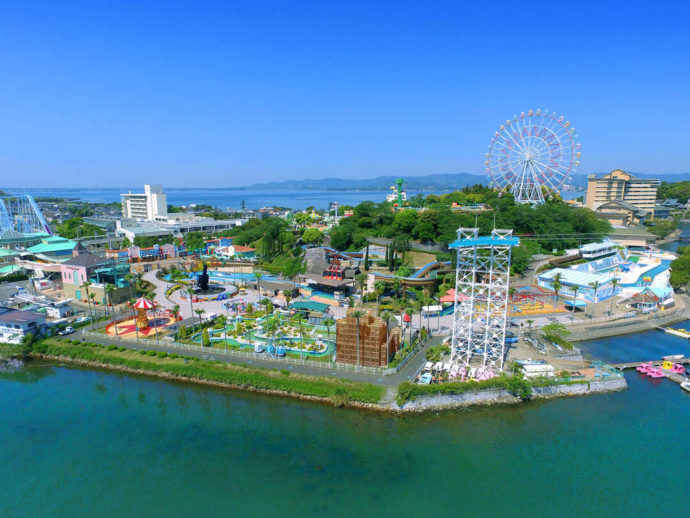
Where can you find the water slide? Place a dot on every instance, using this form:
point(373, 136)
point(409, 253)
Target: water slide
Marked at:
point(425, 276)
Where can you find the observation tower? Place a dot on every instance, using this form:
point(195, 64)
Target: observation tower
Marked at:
point(482, 279)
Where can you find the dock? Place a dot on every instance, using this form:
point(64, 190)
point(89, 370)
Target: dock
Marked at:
point(678, 378)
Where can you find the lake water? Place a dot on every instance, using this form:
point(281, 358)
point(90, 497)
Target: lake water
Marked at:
point(77, 442)
point(223, 198)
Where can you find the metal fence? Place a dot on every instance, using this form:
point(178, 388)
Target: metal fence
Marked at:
point(660, 316)
point(249, 355)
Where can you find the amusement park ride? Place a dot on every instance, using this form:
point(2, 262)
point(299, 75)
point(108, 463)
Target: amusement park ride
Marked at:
point(532, 155)
point(397, 196)
point(20, 218)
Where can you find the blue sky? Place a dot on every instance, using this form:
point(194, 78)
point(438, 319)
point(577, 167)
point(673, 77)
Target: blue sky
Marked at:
point(118, 94)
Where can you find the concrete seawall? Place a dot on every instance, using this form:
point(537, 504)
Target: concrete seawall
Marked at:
point(503, 397)
point(622, 327)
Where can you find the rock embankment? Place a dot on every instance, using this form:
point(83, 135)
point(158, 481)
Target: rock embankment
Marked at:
point(503, 397)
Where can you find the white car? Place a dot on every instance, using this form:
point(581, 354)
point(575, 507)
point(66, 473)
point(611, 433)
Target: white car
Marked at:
point(66, 331)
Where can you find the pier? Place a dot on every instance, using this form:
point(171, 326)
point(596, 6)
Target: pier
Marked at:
point(678, 378)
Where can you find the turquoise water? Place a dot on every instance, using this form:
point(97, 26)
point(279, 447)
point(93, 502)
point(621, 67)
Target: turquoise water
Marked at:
point(80, 442)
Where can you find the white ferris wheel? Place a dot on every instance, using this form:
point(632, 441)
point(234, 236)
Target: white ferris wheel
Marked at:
point(532, 155)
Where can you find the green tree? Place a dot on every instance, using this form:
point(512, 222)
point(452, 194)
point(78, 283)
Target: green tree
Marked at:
point(366, 259)
point(361, 279)
point(312, 236)
point(405, 221)
point(199, 312)
point(205, 338)
point(328, 322)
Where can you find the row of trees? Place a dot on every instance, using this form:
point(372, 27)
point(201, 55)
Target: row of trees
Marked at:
point(554, 224)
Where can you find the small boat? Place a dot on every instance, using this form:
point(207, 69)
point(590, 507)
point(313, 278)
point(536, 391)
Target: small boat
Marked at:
point(644, 368)
point(685, 385)
point(677, 332)
point(425, 378)
point(655, 373)
point(672, 357)
point(678, 368)
point(258, 348)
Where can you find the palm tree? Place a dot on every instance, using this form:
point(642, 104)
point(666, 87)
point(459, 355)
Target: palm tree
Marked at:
point(379, 288)
point(190, 292)
point(129, 278)
point(258, 276)
point(86, 288)
point(288, 298)
point(299, 318)
point(328, 322)
point(575, 290)
point(109, 289)
point(92, 296)
point(387, 317)
point(200, 312)
point(357, 314)
point(361, 281)
point(614, 283)
point(595, 287)
point(138, 277)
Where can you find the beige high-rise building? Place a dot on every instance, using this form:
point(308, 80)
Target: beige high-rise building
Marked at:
point(622, 186)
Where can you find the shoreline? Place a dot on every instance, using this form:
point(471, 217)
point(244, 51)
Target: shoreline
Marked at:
point(421, 404)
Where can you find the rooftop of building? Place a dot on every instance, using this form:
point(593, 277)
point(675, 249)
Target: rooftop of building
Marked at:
point(623, 205)
point(572, 277)
point(310, 305)
point(52, 244)
point(595, 247)
point(621, 175)
point(242, 249)
point(87, 260)
point(18, 315)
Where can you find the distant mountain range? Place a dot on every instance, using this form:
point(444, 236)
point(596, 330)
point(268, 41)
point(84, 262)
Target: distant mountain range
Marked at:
point(432, 182)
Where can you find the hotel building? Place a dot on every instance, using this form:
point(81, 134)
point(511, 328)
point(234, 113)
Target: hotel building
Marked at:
point(621, 186)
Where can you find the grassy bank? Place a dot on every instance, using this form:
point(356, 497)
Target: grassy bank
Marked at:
point(340, 392)
point(10, 351)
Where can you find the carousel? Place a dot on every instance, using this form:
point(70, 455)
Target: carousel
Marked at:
point(143, 324)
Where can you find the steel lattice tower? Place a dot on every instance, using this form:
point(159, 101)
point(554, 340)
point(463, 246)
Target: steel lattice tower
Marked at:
point(482, 279)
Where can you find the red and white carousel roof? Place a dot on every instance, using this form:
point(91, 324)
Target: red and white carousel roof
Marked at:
point(143, 303)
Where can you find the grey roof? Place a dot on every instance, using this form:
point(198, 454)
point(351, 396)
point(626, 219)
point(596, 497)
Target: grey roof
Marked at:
point(20, 316)
point(624, 205)
point(87, 260)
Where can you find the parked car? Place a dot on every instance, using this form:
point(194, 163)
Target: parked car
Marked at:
point(66, 331)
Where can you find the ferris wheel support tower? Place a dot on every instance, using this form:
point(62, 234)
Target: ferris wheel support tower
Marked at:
point(482, 280)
